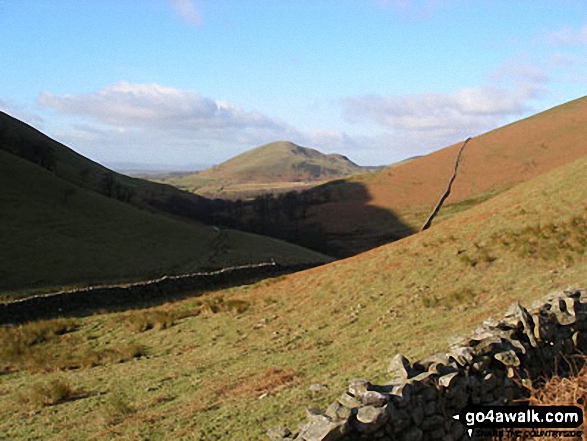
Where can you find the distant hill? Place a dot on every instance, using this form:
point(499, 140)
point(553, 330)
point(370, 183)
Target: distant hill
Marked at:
point(65, 221)
point(284, 161)
point(272, 168)
point(351, 215)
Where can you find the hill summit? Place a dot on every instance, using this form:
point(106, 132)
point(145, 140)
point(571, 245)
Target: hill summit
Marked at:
point(284, 161)
point(277, 167)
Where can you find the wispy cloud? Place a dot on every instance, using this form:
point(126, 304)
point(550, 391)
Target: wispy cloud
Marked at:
point(433, 120)
point(178, 113)
point(188, 11)
point(150, 117)
point(568, 36)
point(21, 113)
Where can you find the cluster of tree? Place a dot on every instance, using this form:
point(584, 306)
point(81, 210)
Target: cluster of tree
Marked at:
point(285, 216)
point(32, 150)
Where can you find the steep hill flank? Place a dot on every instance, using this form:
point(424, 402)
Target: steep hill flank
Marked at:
point(491, 162)
point(272, 168)
point(215, 374)
point(23, 140)
point(57, 234)
point(352, 215)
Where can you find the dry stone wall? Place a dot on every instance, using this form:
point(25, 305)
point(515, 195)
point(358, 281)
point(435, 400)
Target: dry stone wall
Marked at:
point(497, 364)
point(123, 296)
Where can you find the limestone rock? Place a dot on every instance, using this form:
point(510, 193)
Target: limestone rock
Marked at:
point(349, 401)
point(372, 398)
point(399, 368)
point(338, 412)
point(373, 416)
point(323, 429)
point(358, 387)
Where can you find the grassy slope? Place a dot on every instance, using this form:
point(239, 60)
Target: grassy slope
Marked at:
point(203, 376)
point(272, 166)
point(54, 234)
point(23, 140)
point(490, 164)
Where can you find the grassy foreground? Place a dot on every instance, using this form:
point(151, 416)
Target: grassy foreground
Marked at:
point(232, 364)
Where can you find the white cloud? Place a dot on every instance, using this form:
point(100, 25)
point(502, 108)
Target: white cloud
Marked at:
point(188, 11)
point(568, 36)
point(426, 122)
point(19, 112)
point(167, 111)
point(467, 107)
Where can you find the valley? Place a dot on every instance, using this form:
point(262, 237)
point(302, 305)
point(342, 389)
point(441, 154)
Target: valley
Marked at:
point(232, 362)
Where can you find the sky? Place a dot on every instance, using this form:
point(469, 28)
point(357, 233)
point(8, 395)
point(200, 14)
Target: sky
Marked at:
point(184, 83)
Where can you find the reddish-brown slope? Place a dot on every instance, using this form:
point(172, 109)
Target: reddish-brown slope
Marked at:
point(493, 161)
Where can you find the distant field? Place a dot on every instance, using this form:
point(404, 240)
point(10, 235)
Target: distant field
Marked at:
point(235, 362)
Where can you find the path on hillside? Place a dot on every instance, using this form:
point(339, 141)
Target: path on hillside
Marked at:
point(448, 188)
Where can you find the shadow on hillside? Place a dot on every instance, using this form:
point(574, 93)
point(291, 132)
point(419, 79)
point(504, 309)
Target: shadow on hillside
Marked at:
point(335, 218)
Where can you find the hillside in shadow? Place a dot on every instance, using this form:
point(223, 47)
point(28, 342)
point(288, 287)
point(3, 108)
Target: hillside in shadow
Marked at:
point(321, 219)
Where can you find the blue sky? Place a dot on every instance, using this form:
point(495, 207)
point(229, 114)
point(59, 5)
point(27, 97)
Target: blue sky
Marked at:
point(181, 82)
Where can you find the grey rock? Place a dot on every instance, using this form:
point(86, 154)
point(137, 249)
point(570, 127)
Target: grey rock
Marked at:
point(413, 434)
point(323, 429)
point(373, 398)
point(349, 401)
point(358, 387)
point(338, 412)
point(317, 387)
point(448, 379)
point(399, 368)
point(424, 377)
point(373, 416)
point(508, 358)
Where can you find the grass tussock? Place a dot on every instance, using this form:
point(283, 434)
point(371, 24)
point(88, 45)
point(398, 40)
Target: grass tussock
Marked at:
point(118, 354)
point(560, 242)
point(24, 344)
point(142, 321)
point(51, 345)
point(117, 408)
point(47, 394)
point(460, 296)
point(158, 319)
point(554, 242)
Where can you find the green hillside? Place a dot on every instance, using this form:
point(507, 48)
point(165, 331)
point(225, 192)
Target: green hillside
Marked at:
point(207, 372)
point(272, 168)
point(57, 234)
point(28, 143)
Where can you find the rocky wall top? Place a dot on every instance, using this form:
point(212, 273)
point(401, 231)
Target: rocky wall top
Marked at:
point(498, 364)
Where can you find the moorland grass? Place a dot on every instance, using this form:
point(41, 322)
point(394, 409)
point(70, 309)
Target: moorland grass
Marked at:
point(218, 373)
